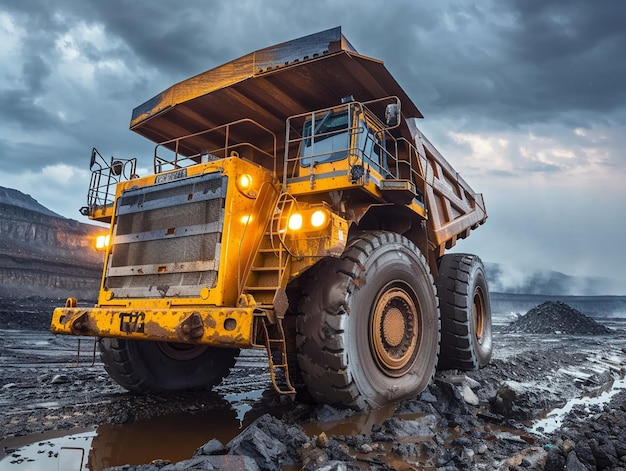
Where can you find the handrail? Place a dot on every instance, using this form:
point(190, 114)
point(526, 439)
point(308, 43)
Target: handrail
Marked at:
point(105, 175)
point(211, 154)
point(256, 209)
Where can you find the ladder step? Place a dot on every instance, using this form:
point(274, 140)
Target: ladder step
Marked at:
point(268, 250)
point(266, 277)
point(262, 288)
point(281, 365)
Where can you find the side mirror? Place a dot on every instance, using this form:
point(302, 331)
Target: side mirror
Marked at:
point(392, 114)
point(92, 161)
point(117, 167)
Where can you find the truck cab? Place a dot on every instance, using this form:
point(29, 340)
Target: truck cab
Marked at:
point(350, 146)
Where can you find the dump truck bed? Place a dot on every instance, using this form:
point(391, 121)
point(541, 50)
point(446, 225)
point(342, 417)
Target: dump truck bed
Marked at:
point(268, 86)
point(313, 72)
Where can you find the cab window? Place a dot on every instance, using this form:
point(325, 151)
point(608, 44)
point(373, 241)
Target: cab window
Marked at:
point(329, 141)
point(371, 147)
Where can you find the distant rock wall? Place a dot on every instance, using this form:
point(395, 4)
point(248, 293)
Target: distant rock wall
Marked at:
point(27, 226)
point(19, 278)
point(47, 256)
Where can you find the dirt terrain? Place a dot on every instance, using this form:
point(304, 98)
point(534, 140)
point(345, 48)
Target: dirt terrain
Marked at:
point(490, 419)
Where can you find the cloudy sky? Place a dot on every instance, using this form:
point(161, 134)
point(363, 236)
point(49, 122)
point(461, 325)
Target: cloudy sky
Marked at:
point(526, 99)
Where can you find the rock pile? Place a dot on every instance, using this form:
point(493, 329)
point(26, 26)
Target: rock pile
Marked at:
point(556, 318)
point(591, 442)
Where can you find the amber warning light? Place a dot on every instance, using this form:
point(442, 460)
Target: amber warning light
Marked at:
point(102, 242)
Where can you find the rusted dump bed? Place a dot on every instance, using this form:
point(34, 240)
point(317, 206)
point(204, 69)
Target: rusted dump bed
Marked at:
point(299, 76)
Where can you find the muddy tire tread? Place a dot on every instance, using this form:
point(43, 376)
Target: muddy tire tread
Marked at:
point(123, 372)
point(453, 286)
point(118, 362)
point(338, 382)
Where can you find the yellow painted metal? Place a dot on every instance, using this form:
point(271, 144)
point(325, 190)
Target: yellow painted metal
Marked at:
point(319, 68)
point(102, 214)
point(313, 245)
point(213, 312)
point(224, 327)
point(239, 237)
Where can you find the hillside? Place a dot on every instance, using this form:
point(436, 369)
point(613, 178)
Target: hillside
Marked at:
point(44, 254)
point(11, 197)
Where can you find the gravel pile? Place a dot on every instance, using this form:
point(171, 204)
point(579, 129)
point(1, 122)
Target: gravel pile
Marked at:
point(556, 318)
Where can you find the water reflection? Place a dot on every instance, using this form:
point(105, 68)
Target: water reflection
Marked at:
point(67, 452)
point(356, 424)
point(173, 437)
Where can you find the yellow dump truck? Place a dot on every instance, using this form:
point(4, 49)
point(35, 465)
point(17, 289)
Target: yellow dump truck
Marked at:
point(294, 206)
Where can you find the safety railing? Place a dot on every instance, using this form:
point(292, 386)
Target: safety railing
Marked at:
point(105, 175)
point(184, 151)
point(369, 144)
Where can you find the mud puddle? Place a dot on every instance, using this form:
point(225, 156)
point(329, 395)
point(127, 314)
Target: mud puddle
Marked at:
point(66, 450)
point(172, 437)
point(175, 436)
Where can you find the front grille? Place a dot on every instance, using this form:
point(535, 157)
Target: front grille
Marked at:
point(167, 238)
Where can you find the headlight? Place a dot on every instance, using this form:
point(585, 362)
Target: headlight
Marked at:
point(318, 218)
point(245, 181)
point(295, 222)
point(245, 184)
point(309, 220)
point(102, 242)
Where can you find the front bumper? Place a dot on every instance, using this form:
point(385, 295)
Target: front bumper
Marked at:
point(220, 327)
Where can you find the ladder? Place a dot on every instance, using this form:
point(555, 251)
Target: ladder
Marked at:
point(266, 277)
point(265, 283)
point(277, 356)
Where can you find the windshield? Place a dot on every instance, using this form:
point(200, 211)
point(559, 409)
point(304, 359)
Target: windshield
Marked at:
point(328, 142)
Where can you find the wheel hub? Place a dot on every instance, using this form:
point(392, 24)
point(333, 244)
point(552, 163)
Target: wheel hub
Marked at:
point(478, 315)
point(395, 331)
point(393, 327)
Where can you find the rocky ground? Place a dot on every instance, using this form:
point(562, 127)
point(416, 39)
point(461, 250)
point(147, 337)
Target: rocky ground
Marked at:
point(490, 419)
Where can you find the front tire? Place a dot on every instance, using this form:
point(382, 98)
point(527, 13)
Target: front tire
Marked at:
point(143, 366)
point(465, 306)
point(368, 328)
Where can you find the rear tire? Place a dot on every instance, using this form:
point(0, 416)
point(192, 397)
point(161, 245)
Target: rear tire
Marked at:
point(368, 328)
point(158, 367)
point(465, 306)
